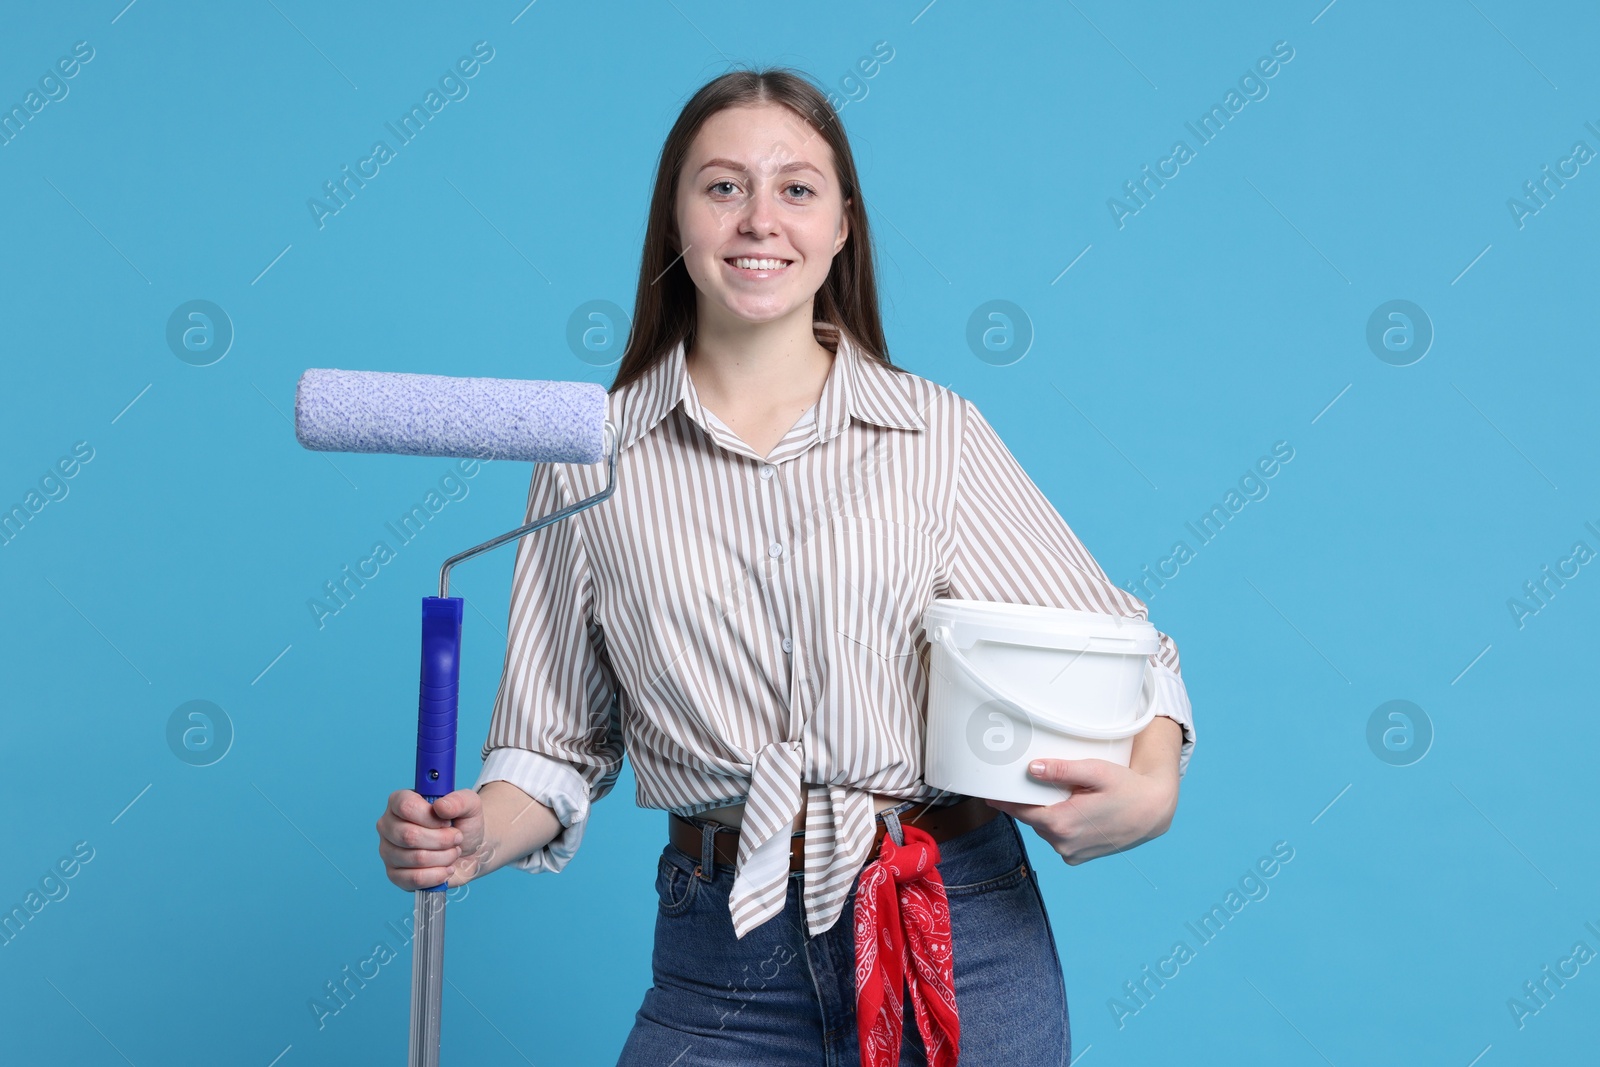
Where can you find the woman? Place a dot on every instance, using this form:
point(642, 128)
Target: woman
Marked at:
point(745, 611)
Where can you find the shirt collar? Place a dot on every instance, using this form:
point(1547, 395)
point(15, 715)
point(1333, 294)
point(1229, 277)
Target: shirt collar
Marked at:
point(859, 385)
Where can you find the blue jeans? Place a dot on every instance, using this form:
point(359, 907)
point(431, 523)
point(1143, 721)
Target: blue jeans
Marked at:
point(783, 997)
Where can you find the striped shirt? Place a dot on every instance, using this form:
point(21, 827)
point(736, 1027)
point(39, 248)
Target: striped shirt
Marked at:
point(748, 628)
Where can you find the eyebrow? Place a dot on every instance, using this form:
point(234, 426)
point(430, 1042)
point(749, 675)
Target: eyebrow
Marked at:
point(731, 165)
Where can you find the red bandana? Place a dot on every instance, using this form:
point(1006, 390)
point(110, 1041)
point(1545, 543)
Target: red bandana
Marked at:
point(900, 902)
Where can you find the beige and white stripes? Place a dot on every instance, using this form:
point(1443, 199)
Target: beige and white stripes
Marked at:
point(748, 627)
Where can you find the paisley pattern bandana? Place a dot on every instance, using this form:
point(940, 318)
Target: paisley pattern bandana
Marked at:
point(901, 910)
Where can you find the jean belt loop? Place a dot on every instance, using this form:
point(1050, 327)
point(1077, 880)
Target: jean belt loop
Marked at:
point(708, 855)
point(891, 822)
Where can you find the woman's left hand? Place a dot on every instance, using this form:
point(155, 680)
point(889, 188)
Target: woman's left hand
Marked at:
point(1107, 807)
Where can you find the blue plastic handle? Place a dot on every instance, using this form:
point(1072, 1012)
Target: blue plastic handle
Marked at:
point(437, 699)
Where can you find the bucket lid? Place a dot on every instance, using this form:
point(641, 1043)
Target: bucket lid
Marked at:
point(1044, 627)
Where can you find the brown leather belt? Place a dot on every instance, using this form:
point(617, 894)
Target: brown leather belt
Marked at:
point(940, 823)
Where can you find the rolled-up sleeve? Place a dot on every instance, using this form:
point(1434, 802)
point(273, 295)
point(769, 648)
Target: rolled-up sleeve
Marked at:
point(556, 730)
point(1012, 546)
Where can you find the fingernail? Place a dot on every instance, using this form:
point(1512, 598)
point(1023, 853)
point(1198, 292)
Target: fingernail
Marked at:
point(1036, 767)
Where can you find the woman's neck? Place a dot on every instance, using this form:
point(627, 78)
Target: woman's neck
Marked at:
point(736, 364)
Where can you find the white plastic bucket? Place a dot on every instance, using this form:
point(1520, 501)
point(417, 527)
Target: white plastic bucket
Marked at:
point(1010, 683)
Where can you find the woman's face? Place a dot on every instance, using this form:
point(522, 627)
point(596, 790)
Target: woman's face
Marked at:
point(759, 213)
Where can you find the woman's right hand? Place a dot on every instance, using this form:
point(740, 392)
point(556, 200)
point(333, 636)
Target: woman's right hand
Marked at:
point(420, 846)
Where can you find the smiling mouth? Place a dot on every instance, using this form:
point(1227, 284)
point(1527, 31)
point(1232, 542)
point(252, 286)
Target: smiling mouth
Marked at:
point(757, 265)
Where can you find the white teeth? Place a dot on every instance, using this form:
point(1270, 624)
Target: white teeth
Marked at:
point(759, 264)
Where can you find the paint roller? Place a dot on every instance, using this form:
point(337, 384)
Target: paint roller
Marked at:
point(462, 418)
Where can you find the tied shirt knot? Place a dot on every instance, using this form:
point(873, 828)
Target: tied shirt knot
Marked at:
point(838, 835)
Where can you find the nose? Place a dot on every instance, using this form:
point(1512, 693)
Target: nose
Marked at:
point(759, 218)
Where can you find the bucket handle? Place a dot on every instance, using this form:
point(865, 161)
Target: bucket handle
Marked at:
point(941, 635)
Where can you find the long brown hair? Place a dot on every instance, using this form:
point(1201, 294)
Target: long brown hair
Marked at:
point(664, 303)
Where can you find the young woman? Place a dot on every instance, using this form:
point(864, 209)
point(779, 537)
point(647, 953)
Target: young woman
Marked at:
point(745, 613)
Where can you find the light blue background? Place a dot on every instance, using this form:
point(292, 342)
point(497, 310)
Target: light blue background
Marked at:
point(1228, 314)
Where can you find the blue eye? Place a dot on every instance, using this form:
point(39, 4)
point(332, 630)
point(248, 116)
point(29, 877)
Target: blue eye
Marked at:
point(715, 185)
point(803, 188)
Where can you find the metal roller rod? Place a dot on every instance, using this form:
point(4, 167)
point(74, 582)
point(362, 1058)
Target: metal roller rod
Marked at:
point(554, 516)
point(427, 977)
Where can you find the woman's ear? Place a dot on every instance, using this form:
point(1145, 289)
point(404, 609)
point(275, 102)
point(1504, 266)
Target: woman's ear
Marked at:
point(844, 228)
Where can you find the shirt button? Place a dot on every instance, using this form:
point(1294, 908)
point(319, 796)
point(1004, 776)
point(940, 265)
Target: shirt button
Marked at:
point(775, 549)
point(767, 471)
point(788, 645)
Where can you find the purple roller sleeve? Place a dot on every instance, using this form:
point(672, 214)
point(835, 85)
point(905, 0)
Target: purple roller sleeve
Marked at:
point(436, 415)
